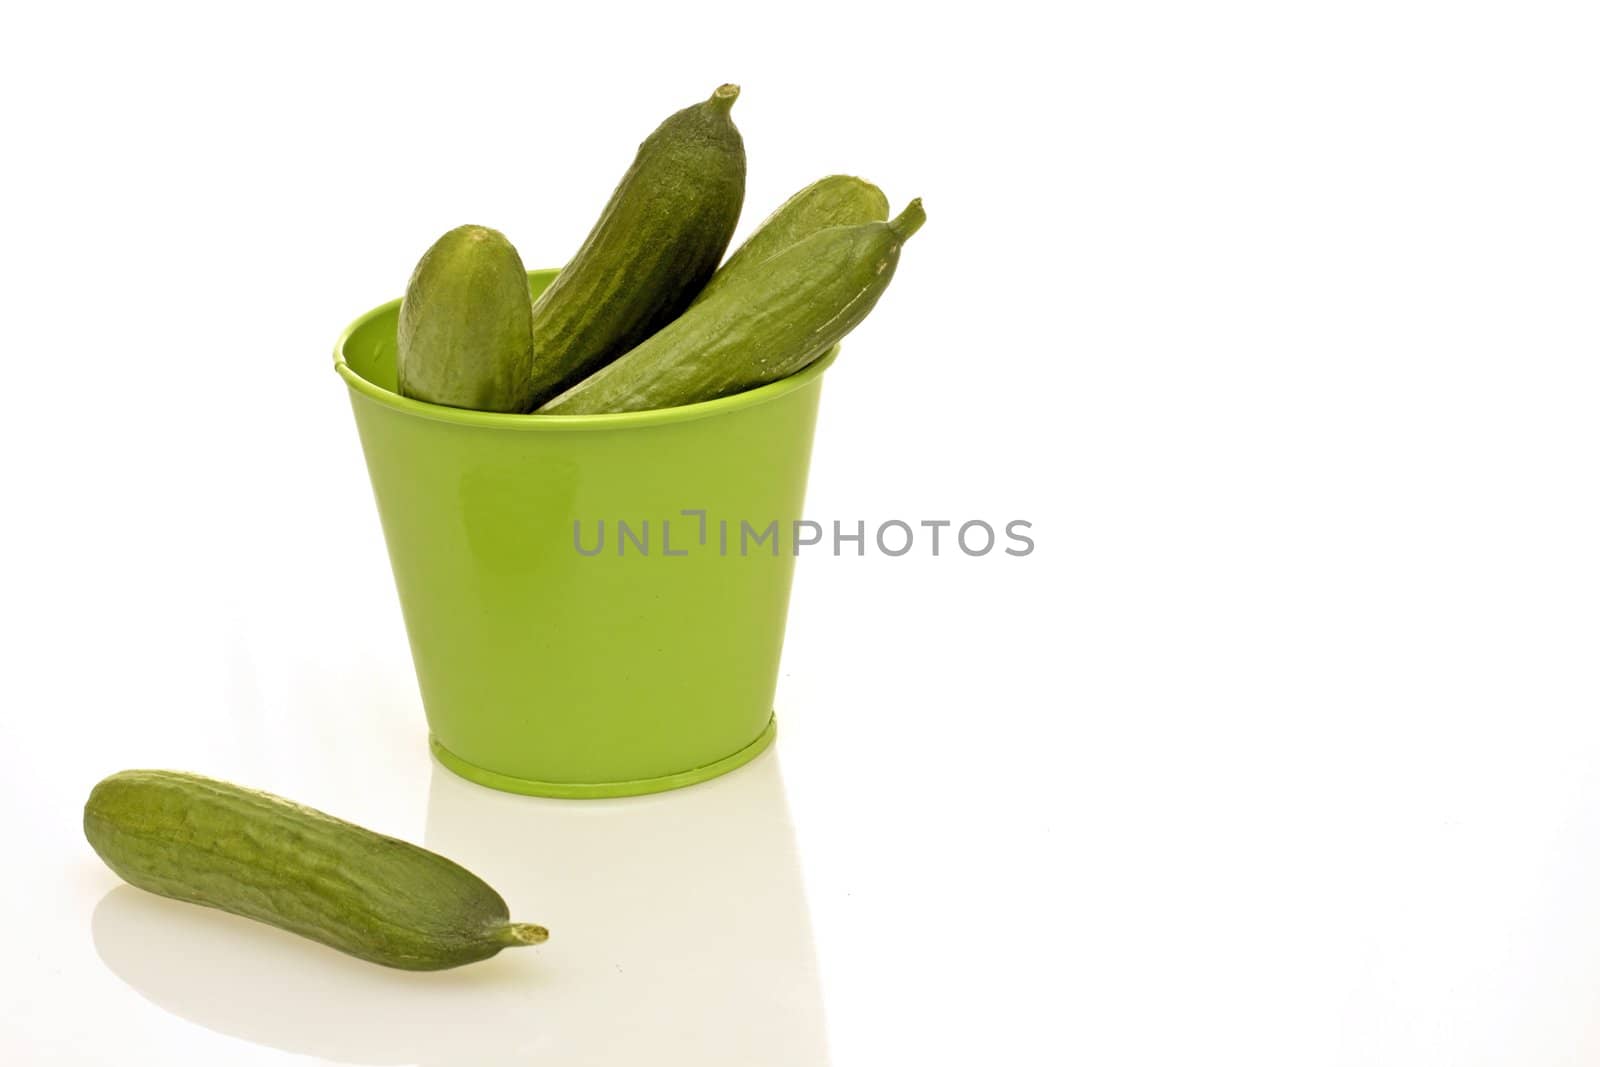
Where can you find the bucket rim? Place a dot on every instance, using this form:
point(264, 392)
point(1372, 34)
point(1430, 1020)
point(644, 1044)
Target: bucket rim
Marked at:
point(620, 420)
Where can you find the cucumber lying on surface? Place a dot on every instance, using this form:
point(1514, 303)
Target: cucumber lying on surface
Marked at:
point(655, 246)
point(780, 316)
point(837, 200)
point(266, 858)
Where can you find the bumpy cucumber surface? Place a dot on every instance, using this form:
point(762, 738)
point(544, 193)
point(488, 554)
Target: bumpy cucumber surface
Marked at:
point(652, 250)
point(465, 336)
point(267, 858)
point(837, 200)
point(782, 315)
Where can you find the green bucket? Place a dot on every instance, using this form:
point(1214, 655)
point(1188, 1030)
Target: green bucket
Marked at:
point(558, 652)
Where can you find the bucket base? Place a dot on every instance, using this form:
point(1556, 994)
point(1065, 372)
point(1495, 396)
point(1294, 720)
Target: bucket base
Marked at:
point(594, 790)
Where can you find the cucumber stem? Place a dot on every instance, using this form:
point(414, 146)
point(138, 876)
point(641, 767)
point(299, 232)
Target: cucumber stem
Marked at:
point(722, 100)
point(908, 221)
point(516, 934)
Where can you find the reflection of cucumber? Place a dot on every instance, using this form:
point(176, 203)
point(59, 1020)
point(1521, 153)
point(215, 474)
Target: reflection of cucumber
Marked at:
point(465, 333)
point(837, 200)
point(655, 245)
point(778, 317)
point(266, 858)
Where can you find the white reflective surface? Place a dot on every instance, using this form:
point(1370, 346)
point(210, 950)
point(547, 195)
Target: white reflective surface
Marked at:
point(679, 935)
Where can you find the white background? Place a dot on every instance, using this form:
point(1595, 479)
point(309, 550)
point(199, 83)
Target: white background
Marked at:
point(1279, 323)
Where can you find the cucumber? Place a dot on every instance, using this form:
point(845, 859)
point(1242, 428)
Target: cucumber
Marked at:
point(266, 858)
point(465, 336)
point(837, 200)
point(780, 316)
point(655, 246)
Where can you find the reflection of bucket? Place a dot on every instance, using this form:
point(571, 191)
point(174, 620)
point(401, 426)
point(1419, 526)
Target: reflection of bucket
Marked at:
point(679, 931)
point(547, 670)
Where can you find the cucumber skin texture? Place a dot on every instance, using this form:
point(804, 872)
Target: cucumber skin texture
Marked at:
point(837, 200)
point(655, 246)
point(465, 335)
point(266, 858)
point(780, 317)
